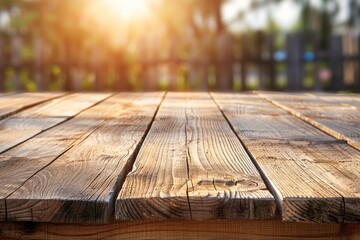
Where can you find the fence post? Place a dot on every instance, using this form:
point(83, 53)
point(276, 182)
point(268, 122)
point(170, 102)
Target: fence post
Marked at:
point(122, 80)
point(2, 64)
point(172, 65)
point(357, 87)
point(194, 64)
point(97, 65)
point(294, 68)
point(272, 65)
point(315, 41)
point(150, 82)
point(225, 61)
point(204, 79)
point(244, 58)
point(66, 65)
point(205, 63)
point(336, 63)
point(16, 45)
point(259, 47)
point(38, 67)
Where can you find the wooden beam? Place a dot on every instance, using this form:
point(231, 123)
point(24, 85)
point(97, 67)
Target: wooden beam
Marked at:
point(192, 166)
point(314, 176)
point(181, 229)
point(347, 100)
point(73, 172)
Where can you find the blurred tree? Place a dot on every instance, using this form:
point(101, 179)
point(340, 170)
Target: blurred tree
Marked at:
point(312, 19)
point(354, 13)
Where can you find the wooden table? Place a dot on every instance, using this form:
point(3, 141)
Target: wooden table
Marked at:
point(180, 165)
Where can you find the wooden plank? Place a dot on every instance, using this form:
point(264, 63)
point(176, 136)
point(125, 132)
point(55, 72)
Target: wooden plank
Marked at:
point(334, 119)
point(192, 166)
point(72, 172)
point(181, 229)
point(315, 177)
point(347, 100)
point(30, 122)
point(3, 94)
point(14, 103)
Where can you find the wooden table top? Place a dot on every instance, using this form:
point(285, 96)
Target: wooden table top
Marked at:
point(100, 157)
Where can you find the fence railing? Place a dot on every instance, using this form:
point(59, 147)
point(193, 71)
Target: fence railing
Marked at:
point(234, 63)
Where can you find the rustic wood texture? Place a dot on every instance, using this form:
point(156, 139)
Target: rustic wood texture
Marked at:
point(192, 166)
point(72, 172)
point(315, 177)
point(339, 121)
point(180, 229)
point(13, 103)
point(66, 157)
point(30, 122)
point(3, 94)
point(348, 100)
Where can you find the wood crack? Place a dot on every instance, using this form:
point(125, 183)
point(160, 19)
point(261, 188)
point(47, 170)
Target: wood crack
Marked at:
point(110, 213)
point(188, 160)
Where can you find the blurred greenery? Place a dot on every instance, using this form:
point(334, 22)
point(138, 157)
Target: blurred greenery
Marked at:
point(79, 30)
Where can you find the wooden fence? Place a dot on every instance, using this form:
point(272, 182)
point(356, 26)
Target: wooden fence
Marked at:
point(231, 63)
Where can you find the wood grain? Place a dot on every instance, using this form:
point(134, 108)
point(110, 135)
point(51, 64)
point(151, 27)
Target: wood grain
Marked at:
point(72, 172)
point(347, 100)
point(339, 121)
point(192, 166)
point(4, 94)
point(314, 176)
point(13, 103)
point(181, 229)
point(30, 122)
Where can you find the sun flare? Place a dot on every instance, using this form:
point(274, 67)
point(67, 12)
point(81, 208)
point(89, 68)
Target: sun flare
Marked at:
point(126, 9)
point(112, 19)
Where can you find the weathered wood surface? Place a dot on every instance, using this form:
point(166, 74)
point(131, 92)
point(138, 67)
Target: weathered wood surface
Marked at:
point(180, 229)
point(65, 158)
point(30, 122)
point(339, 121)
point(192, 166)
point(348, 100)
point(76, 167)
point(314, 176)
point(3, 94)
point(13, 103)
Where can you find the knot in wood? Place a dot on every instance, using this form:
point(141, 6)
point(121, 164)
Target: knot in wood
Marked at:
point(229, 184)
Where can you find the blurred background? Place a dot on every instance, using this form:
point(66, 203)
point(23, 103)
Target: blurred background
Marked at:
point(179, 45)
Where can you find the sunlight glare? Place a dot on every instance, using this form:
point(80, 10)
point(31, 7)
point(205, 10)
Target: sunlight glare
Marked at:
point(127, 9)
point(116, 20)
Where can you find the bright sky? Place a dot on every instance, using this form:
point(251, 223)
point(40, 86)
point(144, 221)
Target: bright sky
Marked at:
point(285, 14)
